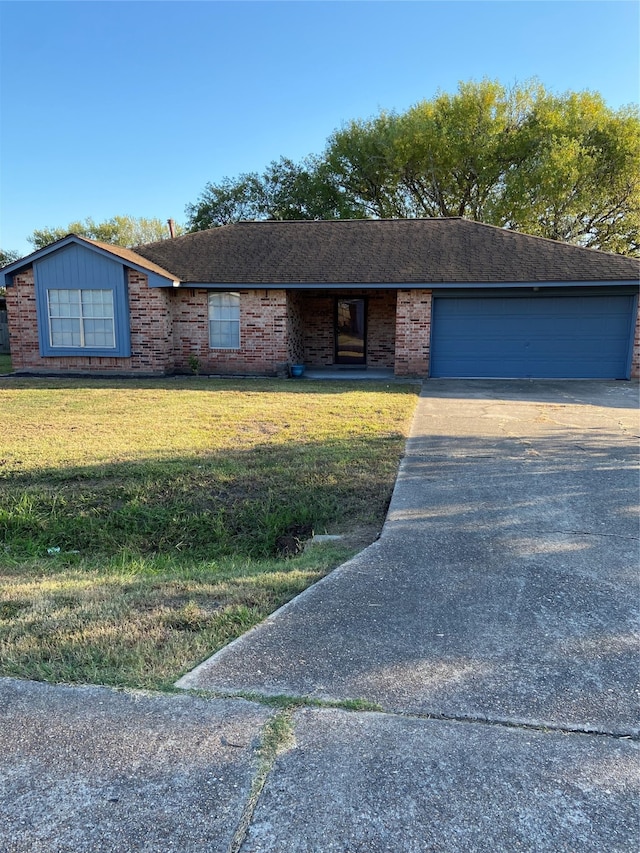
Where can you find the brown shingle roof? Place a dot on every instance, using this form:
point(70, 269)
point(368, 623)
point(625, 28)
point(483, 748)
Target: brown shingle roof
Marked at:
point(398, 251)
point(132, 257)
point(127, 255)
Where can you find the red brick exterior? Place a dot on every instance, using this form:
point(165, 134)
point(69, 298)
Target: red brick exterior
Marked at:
point(295, 327)
point(169, 327)
point(635, 358)
point(263, 333)
point(318, 322)
point(150, 323)
point(23, 321)
point(413, 332)
point(151, 326)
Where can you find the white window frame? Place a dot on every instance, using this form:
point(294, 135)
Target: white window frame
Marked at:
point(82, 318)
point(221, 313)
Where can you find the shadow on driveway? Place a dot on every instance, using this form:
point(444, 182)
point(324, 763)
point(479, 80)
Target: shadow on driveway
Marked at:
point(504, 585)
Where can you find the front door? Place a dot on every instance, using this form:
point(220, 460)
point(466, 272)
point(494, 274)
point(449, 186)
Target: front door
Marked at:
point(350, 331)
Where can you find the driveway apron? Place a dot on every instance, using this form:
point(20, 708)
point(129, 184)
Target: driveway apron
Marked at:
point(504, 586)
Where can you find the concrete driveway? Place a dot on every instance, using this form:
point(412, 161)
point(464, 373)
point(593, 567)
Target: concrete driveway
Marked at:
point(493, 625)
point(505, 583)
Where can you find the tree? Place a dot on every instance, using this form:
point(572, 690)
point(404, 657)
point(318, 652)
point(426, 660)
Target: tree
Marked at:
point(560, 166)
point(285, 190)
point(305, 191)
point(7, 256)
point(124, 231)
point(226, 202)
point(565, 167)
point(580, 181)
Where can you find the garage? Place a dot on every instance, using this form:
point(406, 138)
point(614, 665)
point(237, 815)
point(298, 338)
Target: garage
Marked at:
point(541, 336)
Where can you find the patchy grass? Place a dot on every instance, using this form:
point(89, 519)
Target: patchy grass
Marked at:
point(5, 364)
point(144, 524)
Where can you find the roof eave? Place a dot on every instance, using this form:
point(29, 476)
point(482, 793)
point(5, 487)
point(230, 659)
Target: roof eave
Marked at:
point(427, 285)
point(165, 279)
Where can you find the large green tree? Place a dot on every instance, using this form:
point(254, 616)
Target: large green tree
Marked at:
point(124, 231)
point(285, 190)
point(560, 166)
point(580, 180)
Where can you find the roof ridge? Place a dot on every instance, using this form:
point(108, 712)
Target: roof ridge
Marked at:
point(332, 221)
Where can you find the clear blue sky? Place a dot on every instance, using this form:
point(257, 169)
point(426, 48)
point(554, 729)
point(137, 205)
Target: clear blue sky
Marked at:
point(132, 107)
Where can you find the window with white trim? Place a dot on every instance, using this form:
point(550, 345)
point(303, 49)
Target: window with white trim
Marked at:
point(224, 320)
point(81, 318)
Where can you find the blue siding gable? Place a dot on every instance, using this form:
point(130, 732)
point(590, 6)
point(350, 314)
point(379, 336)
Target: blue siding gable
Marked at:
point(75, 267)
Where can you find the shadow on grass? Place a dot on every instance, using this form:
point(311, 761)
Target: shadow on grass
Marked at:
point(202, 383)
point(246, 503)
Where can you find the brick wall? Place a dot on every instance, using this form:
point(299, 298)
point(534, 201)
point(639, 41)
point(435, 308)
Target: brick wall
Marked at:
point(151, 326)
point(263, 333)
point(635, 359)
point(295, 327)
point(169, 325)
point(413, 332)
point(151, 338)
point(318, 319)
point(23, 324)
point(381, 328)
point(317, 323)
point(190, 322)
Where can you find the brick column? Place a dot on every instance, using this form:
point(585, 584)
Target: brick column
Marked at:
point(635, 358)
point(151, 326)
point(23, 323)
point(413, 332)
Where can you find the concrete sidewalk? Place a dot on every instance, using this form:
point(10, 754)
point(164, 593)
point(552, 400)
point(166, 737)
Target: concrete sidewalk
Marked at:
point(86, 769)
point(493, 624)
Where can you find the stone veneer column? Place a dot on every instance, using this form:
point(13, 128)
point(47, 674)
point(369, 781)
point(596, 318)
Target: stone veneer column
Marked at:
point(413, 332)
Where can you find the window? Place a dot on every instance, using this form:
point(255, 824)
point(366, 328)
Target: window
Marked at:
point(81, 318)
point(82, 303)
point(224, 320)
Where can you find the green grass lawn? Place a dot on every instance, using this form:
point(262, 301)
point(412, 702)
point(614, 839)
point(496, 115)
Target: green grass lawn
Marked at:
point(144, 524)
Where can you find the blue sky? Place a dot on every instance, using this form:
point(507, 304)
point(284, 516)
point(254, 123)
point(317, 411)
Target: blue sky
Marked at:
point(132, 107)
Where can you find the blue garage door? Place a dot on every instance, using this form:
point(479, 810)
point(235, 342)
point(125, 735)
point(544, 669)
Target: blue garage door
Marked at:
point(546, 337)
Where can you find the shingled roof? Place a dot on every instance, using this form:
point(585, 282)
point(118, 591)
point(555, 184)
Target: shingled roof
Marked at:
point(132, 257)
point(129, 256)
point(398, 251)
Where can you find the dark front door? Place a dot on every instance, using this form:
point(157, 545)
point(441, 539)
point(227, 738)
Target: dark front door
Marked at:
point(350, 331)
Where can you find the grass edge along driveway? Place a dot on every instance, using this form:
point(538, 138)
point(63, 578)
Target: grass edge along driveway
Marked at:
point(146, 523)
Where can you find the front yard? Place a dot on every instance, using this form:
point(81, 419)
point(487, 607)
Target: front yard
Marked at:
point(144, 524)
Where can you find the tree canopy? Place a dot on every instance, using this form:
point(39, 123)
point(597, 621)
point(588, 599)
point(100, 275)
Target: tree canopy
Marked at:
point(7, 256)
point(124, 231)
point(560, 166)
point(285, 190)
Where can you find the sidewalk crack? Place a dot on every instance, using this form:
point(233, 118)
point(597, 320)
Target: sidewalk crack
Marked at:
point(277, 737)
point(526, 725)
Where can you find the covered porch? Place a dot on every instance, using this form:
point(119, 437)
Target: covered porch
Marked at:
point(371, 332)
